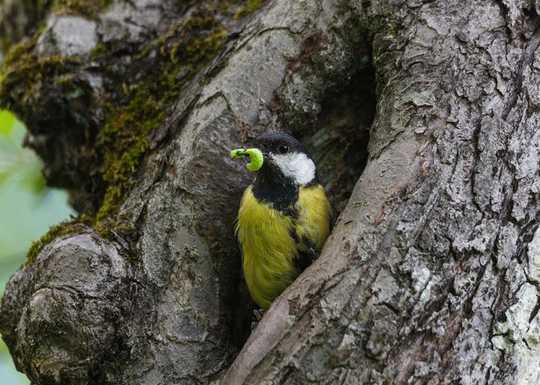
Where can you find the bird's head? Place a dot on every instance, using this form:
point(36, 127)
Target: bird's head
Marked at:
point(279, 153)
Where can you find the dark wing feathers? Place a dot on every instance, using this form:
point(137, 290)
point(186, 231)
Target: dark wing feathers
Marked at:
point(307, 252)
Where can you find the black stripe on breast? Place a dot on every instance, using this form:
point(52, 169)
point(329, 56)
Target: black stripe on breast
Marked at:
point(276, 189)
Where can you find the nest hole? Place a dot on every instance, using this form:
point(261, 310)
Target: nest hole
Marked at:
point(339, 140)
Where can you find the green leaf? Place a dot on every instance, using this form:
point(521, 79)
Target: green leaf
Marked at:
point(7, 121)
point(9, 161)
point(20, 164)
point(4, 176)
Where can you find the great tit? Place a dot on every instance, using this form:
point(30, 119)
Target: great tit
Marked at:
point(284, 215)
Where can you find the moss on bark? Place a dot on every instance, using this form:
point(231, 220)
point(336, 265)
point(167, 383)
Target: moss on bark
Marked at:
point(123, 139)
point(88, 8)
point(249, 7)
point(64, 228)
point(23, 76)
point(116, 139)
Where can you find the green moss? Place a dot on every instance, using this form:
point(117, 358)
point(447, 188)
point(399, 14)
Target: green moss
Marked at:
point(88, 8)
point(98, 51)
point(23, 77)
point(54, 232)
point(123, 140)
point(250, 7)
point(18, 52)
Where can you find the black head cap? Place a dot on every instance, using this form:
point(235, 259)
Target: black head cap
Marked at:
point(279, 143)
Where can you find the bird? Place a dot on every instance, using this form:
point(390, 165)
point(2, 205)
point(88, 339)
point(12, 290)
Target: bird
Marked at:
point(284, 215)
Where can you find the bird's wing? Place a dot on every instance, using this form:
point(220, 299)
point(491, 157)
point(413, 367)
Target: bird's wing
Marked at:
point(306, 254)
point(305, 258)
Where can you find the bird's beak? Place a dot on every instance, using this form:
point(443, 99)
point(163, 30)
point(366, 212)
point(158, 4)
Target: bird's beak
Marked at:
point(255, 155)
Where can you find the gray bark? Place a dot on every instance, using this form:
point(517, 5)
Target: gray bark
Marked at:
point(432, 271)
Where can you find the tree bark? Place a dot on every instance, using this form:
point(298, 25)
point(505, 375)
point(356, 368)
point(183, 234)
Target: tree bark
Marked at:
point(432, 271)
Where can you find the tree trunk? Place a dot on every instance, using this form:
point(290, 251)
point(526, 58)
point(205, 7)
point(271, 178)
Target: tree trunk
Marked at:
point(432, 271)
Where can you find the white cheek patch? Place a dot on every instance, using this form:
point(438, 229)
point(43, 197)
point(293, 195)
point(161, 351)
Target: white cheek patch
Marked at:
point(296, 165)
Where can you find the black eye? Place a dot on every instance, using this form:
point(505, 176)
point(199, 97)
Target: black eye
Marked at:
point(283, 149)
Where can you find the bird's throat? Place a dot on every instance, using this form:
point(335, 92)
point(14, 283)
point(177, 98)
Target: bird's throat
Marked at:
point(274, 188)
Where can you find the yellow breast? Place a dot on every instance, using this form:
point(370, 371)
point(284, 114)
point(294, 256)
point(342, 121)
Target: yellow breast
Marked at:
point(313, 221)
point(271, 240)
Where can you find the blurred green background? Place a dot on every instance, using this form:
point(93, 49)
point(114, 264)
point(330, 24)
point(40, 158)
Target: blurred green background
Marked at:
point(27, 209)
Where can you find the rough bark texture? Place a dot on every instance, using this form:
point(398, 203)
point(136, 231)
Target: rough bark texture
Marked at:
point(432, 272)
